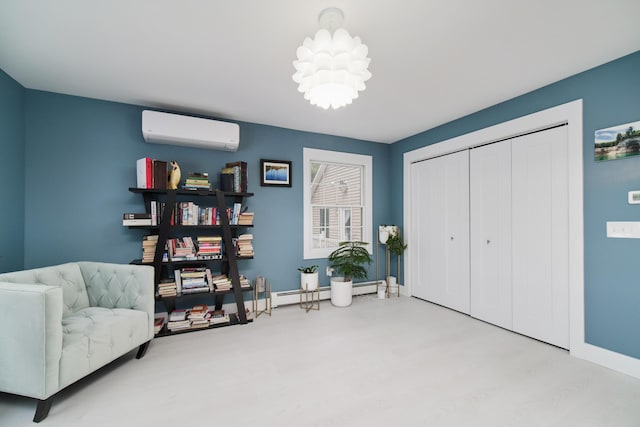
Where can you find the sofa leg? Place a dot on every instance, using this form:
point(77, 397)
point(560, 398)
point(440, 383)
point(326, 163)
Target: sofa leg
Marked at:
point(142, 350)
point(42, 410)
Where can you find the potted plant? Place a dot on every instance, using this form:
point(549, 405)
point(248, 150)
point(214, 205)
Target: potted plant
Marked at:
point(309, 277)
point(384, 231)
point(395, 245)
point(348, 259)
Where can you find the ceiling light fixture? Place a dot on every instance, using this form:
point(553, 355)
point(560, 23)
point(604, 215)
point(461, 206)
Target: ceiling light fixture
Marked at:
point(331, 69)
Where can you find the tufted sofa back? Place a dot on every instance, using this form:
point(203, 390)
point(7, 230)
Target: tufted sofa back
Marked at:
point(66, 276)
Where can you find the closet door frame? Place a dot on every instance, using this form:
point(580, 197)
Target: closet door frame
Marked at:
point(570, 114)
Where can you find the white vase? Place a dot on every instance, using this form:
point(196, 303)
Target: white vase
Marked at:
point(341, 292)
point(309, 281)
point(392, 285)
point(385, 231)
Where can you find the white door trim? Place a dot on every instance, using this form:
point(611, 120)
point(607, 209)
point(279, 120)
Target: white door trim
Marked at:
point(570, 113)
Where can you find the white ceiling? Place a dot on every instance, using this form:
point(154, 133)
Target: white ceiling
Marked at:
point(432, 60)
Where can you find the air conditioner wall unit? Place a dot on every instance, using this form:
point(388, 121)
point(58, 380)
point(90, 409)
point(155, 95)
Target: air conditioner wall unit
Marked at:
point(175, 129)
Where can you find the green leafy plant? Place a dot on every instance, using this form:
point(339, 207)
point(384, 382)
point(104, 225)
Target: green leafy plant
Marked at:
point(395, 244)
point(308, 270)
point(349, 259)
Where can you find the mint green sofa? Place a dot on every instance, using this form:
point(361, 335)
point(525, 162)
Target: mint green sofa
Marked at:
point(63, 322)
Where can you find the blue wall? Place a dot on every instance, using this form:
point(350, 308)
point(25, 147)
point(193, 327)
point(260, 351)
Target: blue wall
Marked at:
point(81, 156)
point(611, 96)
point(11, 174)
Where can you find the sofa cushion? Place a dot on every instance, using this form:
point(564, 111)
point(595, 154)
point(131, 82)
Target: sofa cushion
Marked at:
point(67, 276)
point(95, 336)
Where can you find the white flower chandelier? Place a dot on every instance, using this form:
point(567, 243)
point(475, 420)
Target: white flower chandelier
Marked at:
point(331, 70)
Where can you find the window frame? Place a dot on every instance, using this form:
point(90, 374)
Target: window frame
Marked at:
point(348, 159)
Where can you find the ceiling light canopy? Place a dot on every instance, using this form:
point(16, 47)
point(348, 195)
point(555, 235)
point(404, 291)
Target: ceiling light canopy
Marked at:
point(331, 69)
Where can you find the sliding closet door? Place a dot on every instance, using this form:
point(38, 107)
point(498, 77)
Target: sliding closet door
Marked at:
point(441, 257)
point(490, 184)
point(540, 236)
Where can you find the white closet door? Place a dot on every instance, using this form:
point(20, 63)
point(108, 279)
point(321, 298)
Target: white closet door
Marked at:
point(490, 184)
point(441, 260)
point(540, 236)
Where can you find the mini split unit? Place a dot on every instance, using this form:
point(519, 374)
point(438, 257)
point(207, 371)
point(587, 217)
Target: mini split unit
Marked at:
point(174, 129)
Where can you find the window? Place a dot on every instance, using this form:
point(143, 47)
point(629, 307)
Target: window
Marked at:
point(337, 200)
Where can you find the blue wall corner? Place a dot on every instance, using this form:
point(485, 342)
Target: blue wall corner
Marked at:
point(12, 186)
point(610, 97)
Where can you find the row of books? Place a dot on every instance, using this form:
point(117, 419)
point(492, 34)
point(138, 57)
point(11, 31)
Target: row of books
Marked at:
point(151, 173)
point(198, 317)
point(234, 177)
point(204, 248)
point(192, 280)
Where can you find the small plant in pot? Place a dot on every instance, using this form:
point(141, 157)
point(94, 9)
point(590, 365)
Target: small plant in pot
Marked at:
point(349, 260)
point(395, 245)
point(309, 277)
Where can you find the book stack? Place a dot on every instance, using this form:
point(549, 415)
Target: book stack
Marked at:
point(149, 244)
point(193, 280)
point(132, 219)
point(178, 321)
point(209, 247)
point(239, 170)
point(245, 245)
point(221, 282)
point(245, 283)
point(197, 181)
point(245, 218)
point(181, 249)
point(218, 317)
point(159, 322)
point(167, 288)
point(199, 316)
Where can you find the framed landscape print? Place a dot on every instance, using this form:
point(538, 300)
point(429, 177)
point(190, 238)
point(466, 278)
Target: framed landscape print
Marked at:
point(275, 173)
point(617, 142)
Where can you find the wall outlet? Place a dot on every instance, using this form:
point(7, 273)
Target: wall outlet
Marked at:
point(329, 271)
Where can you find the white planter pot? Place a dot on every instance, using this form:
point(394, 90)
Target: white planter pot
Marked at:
point(384, 231)
point(392, 284)
point(341, 292)
point(309, 281)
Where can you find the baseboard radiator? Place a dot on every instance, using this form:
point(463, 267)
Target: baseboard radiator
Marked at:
point(283, 298)
point(293, 296)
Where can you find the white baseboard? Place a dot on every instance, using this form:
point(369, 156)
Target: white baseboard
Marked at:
point(293, 296)
point(607, 358)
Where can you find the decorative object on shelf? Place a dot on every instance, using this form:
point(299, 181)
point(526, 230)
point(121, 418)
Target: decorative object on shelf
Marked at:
point(348, 259)
point(275, 173)
point(391, 238)
point(331, 69)
point(309, 277)
point(174, 175)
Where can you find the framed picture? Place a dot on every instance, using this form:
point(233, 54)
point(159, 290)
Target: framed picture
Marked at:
point(617, 142)
point(275, 173)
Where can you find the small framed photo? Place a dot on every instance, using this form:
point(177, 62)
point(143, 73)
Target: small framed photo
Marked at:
point(275, 173)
